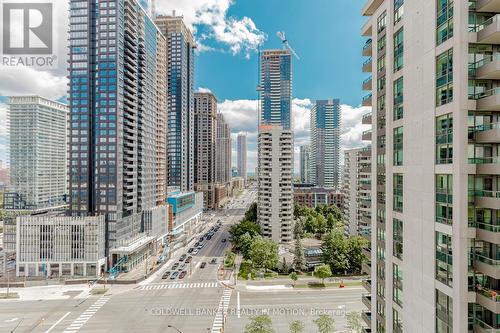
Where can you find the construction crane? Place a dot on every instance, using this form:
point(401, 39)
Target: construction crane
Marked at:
point(286, 45)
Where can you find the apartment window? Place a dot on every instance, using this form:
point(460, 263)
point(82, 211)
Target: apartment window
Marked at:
point(381, 22)
point(381, 309)
point(398, 10)
point(381, 83)
point(444, 199)
point(444, 20)
point(381, 42)
point(381, 64)
point(398, 146)
point(397, 284)
point(398, 50)
point(444, 139)
point(381, 103)
point(380, 326)
point(398, 193)
point(398, 98)
point(444, 78)
point(397, 238)
point(444, 313)
point(444, 258)
point(397, 321)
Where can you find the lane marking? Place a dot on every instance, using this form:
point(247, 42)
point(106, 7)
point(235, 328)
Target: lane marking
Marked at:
point(87, 314)
point(238, 304)
point(57, 322)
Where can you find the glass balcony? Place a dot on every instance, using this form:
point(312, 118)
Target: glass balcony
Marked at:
point(487, 68)
point(367, 84)
point(367, 300)
point(488, 6)
point(367, 317)
point(489, 31)
point(482, 327)
point(367, 49)
point(366, 135)
point(488, 100)
point(489, 266)
point(367, 100)
point(368, 66)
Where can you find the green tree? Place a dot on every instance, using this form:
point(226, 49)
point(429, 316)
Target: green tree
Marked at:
point(299, 260)
point(336, 251)
point(356, 256)
point(298, 229)
point(354, 321)
point(294, 277)
point(331, 223)
point(245, 243)
point(238, 230)
point(322, 272)
point(251, 213)
point(325, 323)
point(297, 326)
point(320, 225)
point(264, 253)
point(310, 224)
point(260, 324)
point(284, 266)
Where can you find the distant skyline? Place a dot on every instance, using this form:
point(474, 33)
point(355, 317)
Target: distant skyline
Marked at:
point(228, 33)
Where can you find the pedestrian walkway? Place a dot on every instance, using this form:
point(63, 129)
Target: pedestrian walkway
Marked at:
point(220, 317)
point(89, 313)
point(194, 285)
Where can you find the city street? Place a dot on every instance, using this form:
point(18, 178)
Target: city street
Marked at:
point(196, 303)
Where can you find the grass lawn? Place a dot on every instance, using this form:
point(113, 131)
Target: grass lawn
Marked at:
point(9, 296)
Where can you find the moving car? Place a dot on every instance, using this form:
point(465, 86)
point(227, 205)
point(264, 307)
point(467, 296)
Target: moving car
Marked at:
point(195, 252)
point(223, 240)
point(213, 261)
point(203, 264)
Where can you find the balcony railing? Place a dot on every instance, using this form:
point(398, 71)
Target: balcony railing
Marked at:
point(367, 97)
point(486, 60)
point(485, 226)
point(486, 194)
point(485, 127)
point(488, 22)
point(494, 295)
point(487, 260)
point(485, 326)
point(485, 160)
point(368, 44)
point(484, 94)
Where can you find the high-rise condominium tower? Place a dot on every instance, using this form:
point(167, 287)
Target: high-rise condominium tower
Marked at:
point(357, 191)
point(205, 128)
point(325, 143)
point(275, 146)
point(242, 155)
point(117, 97)
point(180, 139)
point(436, 204)
point(223, 151)
point(38, 138)
point(305, 164)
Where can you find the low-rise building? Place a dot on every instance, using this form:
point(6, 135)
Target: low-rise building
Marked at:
point(54, 246)
point(187, 211)
point(311, 196)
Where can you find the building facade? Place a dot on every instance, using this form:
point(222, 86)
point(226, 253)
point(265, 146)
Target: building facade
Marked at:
point(310, 196)
point(305, 164)
point(223, 151)
point(54, 246)
point(180, 137)
point(205, 127)
point(433, 84)
point(38, 136)
point(275, 193)
point(357, 192)
point(325, 143)
point(242, 155)
point(118, 126)
point(275, 146)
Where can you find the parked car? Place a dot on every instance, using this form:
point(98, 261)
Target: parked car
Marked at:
point(209, 237)
point(195, 252)
point(190, 250)
point(181, 267)
point(183, 257)
point(188, 260)
point(203, 264)
point(182, 275)
point(174, 275)
point(174, 267)
point(166, 275)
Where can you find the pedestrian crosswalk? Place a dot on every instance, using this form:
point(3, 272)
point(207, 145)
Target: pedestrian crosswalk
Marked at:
point(84, 317)
point(220, 317)
point(194, 285)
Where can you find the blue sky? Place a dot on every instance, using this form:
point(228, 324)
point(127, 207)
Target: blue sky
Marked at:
point(325, 33)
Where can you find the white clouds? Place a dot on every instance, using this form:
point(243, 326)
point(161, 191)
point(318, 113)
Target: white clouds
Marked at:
point(29, 81)
point(209, 20)
point(241, 116)
point(203, 90)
